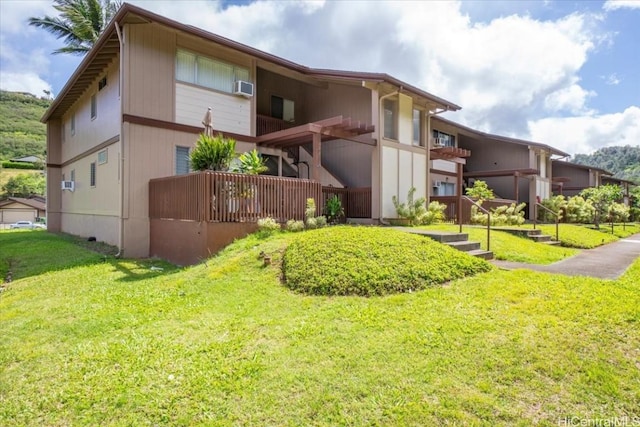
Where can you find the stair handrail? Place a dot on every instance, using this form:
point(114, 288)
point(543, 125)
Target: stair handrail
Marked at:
point(555, 214)
point(479, 206)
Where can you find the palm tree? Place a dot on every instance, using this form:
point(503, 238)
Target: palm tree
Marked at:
point(80, 22)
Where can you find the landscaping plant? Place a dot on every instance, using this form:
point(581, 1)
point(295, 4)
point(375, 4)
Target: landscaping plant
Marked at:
point(267, 226)
point(412, 210)
point(480, 190)
point(602, 198)
point(333, 209)
point(213, 153)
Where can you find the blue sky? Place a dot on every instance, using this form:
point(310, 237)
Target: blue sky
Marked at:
point(565, 73)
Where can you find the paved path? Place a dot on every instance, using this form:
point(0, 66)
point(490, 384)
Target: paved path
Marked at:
point(605, 262)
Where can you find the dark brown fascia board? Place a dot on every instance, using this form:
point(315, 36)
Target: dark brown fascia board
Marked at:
point(500, 138)
point(128, 9)
point(580, 166)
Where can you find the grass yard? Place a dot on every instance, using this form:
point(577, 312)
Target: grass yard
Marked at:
point(120, 343)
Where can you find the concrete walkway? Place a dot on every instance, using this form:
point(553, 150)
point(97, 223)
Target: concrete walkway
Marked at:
point(605, 262)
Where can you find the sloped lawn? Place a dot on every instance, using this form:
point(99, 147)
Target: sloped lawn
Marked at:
point(226, 343)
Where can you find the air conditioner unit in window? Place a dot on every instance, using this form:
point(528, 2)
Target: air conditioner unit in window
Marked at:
point(437, 184)
point(243, 88)
point(68, 185)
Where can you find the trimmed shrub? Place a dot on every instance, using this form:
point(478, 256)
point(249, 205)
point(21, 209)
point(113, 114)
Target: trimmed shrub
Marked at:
point(294, 226)
point(21, 165)
point(267, 226)
point(434, 214)
point(368, 261)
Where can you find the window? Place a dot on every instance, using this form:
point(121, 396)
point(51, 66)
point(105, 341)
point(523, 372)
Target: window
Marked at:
point(390, 111)
point(444, 188)
point(102, 83)
point(444, 139)
point(73, 124)
point(182, 160)
point(73, 175)
point(102, 157)
point(94, 106)
point(417, 128)
point(207, 72)
point(283, 109)
point(92, 174)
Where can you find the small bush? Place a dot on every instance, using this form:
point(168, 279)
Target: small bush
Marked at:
point(333, 209)
point(412, 210)
point(579, 210)
point(480, 191)
point(555, 204)
point(502, 215)
point(267, 226)
point(321, 221)
point(294, 226)
point(311, 223)
point(434, 214)
point(367, 261)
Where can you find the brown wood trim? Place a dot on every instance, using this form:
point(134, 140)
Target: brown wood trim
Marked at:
point(439, 172)
point(95, 149)
point(54, 166)
point(162, 124)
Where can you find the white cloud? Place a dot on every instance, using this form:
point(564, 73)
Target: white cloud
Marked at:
point(509, 74)
point(621, 4)
point(24, 82)
point(587, 133)
point(611, 79)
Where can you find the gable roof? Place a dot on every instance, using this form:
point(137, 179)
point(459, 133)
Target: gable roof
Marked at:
point(501, 138)
point(107, 48)
point(33, 203)
point(28, 159)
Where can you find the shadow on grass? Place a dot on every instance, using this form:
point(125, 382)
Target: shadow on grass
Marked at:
point(26, 253)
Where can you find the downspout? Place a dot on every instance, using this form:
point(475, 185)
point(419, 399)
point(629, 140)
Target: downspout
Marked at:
point(121, 94)
point(381, 120)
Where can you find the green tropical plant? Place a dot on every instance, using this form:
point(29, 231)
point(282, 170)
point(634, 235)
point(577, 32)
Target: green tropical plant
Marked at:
point(578, 210)
point(502, 215)
point(80, 23)
point(333, 209)
point(412, 210)
point(267, 226)
point(434, 214)
point(557, 204)
point(213, 153)
point(480, 191)
point(294, 226)
point(251, 163)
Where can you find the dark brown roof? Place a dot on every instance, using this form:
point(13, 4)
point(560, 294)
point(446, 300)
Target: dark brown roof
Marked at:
point(36, 204)
point(107, 47)
point(507, 139)
point(579, 166)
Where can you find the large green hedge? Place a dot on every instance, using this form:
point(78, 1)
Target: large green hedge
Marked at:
point(369, 261)
point(20, 165)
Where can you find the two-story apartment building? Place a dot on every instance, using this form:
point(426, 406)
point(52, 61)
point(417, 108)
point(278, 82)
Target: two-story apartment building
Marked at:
point(514, 169)
point(134, 107)
point(571, 178)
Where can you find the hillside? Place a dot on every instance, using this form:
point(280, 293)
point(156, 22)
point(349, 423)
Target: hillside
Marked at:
point(623, 162)
point(21, 133)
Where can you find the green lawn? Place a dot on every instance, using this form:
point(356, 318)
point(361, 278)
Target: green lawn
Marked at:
point(120, 343)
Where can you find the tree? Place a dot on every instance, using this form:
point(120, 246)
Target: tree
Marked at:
point(24, 185)
point(602, 198)
point(80, 23)
point(480, 190)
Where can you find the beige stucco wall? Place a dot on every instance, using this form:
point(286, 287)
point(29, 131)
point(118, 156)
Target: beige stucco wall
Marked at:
point(91, 132)
point(103, 227)
point(403, 165)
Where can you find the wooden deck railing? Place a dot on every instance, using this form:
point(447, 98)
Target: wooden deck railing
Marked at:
point(231, 197)
point(452, 206)
point(266, 124)
point(356, 202)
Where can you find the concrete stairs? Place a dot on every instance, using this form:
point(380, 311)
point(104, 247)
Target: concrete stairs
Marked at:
point(459, 241)
point(535, 235)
